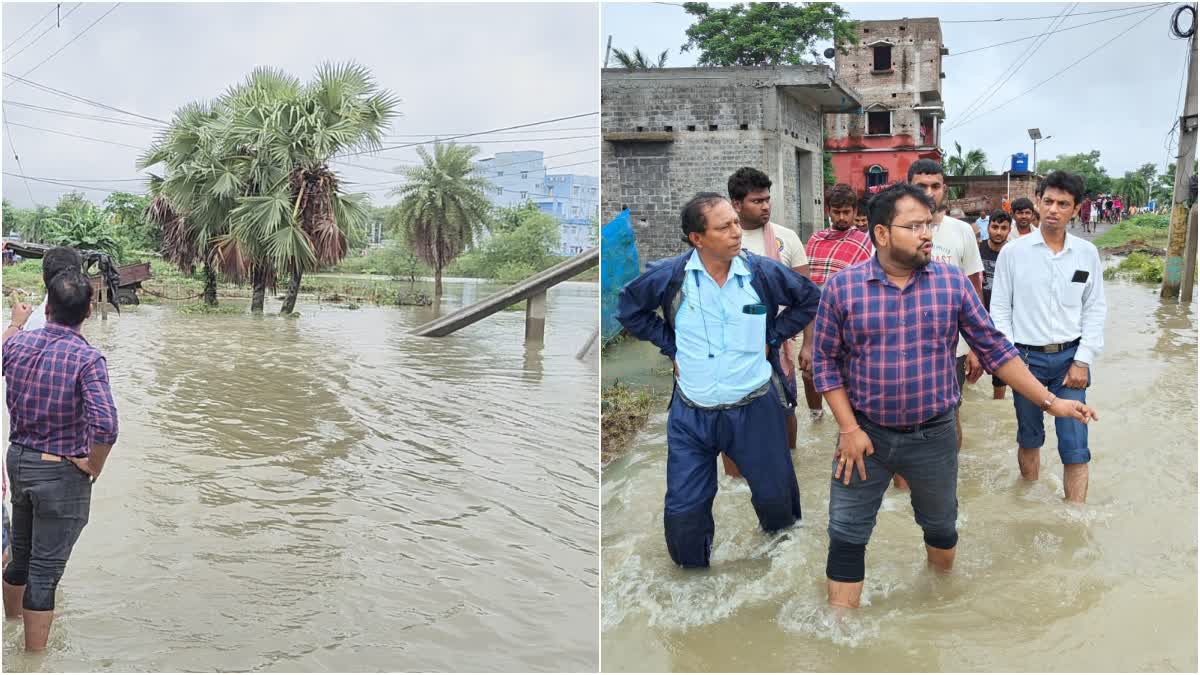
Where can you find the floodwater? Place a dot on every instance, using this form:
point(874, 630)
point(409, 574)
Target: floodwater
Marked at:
point(330, 493)
point(1038, 585)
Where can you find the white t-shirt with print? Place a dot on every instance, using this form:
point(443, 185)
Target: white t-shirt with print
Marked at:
point(787, 242)
point(957, 243)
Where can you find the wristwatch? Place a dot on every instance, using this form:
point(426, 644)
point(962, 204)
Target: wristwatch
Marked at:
point(1079, 364)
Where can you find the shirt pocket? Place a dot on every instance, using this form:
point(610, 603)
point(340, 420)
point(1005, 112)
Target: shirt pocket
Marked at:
point(1072, 294)
point(748, 332)
point(938, 324)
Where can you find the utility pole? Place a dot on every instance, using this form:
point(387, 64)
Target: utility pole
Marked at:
point(1177, 243)
point(607, 51)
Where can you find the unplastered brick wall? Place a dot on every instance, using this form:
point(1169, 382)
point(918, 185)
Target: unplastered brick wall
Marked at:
point(656, 104)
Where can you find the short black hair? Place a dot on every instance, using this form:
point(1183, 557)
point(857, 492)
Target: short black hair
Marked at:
point(69, 294)
point(883, 205)
point(925, 167)
point(841, 196)
point(60, 259)
point(1022, 204)
point(692, 214)
point(1001, 215)
point(1067, 182)
point(864, 205)
point(746, 180)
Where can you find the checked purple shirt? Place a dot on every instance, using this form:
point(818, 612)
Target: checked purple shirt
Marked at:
point(59, 399)
point(892, 349)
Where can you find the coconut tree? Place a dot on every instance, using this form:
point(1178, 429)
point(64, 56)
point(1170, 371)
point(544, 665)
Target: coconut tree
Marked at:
point(974, 163)
point(442, 207)
point(298, 216)
point(638, 60)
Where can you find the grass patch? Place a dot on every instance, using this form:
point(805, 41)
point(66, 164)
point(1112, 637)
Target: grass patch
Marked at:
point(623, 412)
point(1149, 229)
point(27, 276)
point(201, 308)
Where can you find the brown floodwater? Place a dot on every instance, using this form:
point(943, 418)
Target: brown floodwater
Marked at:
point(330, 493)
point(1038, 585)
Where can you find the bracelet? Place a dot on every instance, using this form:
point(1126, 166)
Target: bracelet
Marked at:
point(856, 428)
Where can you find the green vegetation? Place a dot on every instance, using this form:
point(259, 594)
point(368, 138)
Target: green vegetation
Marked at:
point(202, 308)
point(623, 412)
point(1086, 165)
point(639, 61)
point(1149, 230)
point(766, 33)
point(1138, 267)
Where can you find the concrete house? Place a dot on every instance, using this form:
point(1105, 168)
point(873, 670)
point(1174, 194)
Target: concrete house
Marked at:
point(672, 132)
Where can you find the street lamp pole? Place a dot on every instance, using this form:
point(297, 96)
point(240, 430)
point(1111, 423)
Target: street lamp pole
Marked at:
point(1036, 135)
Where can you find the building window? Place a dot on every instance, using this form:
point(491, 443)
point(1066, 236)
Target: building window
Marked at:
point(500, 191)
point(499, 173)
point(883, 57)
point(876, 176)
point(524, 174)
point(575, 190)
point(524, 194)
point(879, 123)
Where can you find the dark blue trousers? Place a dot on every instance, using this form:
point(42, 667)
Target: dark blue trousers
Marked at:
point(755, 438)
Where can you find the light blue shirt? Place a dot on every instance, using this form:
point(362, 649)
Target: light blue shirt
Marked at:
point(981, 224)
point(1036, 299)
point(711, 320)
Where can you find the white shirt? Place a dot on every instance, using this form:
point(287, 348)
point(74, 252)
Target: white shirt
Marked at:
point(38, 318)
point(1013, 235)
point(787, 242)
point(1035, 302)
point(957, 243)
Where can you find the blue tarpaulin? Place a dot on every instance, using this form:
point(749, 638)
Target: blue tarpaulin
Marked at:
point(618, 266)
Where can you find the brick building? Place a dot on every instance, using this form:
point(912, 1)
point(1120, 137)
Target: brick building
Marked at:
point(1016, 185)
point(897, 69)
point(672, 132)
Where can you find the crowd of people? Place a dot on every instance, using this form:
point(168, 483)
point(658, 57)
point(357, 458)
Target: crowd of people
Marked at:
point(885, 315)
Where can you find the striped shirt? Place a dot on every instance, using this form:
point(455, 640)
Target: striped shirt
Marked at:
point(830, 251)
point(59, 399)
point(892, 349)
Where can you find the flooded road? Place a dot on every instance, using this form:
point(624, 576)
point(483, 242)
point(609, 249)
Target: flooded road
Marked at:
point(1038, 585)
point(329, 493)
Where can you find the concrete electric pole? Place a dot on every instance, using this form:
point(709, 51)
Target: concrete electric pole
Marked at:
point(1177, 243)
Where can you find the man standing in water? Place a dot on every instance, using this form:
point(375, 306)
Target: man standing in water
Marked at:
point(885, 339)
point(720, 327)
point(750, 194)
point(1048, 299)
point(63, 425)
point(954, 242)
point(989, 251)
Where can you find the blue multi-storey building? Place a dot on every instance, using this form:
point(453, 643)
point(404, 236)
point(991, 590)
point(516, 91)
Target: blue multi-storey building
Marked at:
point(573, 199)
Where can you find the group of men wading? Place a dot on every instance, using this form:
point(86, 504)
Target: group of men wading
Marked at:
point(894, 323)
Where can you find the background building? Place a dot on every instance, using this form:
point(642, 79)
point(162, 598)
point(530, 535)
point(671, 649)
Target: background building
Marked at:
point(573, 199)
point(668, 133)
point(897, 69)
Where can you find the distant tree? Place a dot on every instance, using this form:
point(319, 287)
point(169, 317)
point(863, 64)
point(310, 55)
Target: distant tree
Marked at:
point(639, 61)
point(1086, 165)
point(766, 33)
point(86, 228)
point(973, 163)
point(1164, 187)
point(127, 212)
point(443, 208)
point(829, 177)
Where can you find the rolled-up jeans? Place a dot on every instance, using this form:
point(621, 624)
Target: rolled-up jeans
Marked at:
point(51, 500)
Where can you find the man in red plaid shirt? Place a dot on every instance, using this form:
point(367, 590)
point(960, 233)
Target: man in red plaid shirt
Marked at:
point(63, 425)
point(831, 251)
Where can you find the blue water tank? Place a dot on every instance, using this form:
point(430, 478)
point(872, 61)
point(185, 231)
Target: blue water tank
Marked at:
point(1020, 163)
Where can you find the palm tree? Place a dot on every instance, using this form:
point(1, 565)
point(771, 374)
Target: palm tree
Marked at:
point(974, 163)
point(298, 217)
point(443, 209)
point(191, 202)
point(638, 60)
point(84, 228)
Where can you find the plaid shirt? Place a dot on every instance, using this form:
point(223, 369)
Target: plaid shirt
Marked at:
point(59, 399)
point(892, 349)
point(830, 251)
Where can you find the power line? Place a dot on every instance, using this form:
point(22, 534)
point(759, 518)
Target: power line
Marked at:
point(1018, 63)
point(84, 116)
point(91, 180)
point(55, 182)
point(1077, 62)
point(12, 146)
point(77, 36)
point(81, 99)
point(39, 35)
point(1149, 10)
point(35, 25)
point(86, 138)
point(1031, 18)
point(526, 131)
point(476, 133)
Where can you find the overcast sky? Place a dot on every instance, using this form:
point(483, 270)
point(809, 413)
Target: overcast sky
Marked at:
point(1121, 101)
point(457, 68)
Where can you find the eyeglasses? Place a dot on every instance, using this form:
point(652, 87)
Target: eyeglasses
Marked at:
point(916, 229)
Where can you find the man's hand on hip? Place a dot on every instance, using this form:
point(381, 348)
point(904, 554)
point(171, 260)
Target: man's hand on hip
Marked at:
point(1077, 376)
point(85, 466)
